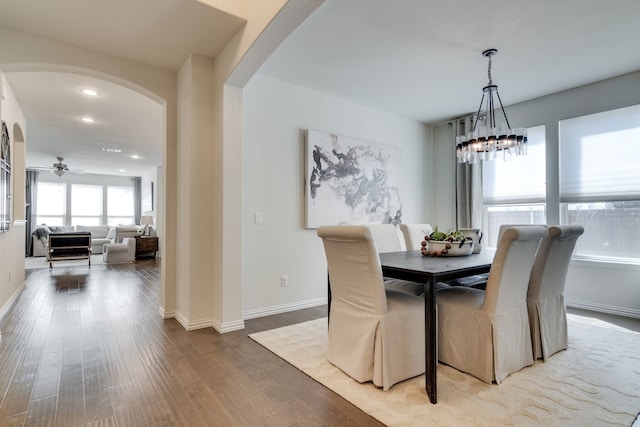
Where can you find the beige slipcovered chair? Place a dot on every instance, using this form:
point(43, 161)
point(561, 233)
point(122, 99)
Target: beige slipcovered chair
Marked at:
point(375, 334)
point(113, 253)
point(387, 237)
point(486, 333)
point(545, 298)
point(414, 234)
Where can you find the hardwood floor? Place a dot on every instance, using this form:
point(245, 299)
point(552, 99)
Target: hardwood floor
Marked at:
point(86, 347)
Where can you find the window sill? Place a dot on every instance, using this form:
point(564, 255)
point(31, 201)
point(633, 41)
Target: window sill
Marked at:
point(601, 262)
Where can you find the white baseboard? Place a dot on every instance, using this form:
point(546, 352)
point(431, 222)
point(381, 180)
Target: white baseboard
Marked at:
point(228, 326)
point(7, 306)
point(601, 308)
point(268, 311)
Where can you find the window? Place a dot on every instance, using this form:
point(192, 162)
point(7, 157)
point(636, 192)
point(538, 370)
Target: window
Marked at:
point(86, 204)
point(514, 189)
point(62, 203)
point(51, 202)
point(120, 205)
point(600, 182)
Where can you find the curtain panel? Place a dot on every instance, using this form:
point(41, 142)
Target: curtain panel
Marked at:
point(469, 204)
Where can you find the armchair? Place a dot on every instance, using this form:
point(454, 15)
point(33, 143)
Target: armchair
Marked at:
point(113, 253)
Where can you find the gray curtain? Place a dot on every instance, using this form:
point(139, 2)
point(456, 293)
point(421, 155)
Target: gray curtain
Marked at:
point(137, 199)
point(31, 198)
point(469, 207)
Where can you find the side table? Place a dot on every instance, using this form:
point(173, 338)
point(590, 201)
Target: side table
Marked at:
point(146, 247)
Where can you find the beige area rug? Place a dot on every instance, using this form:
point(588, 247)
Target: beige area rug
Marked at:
point(596, 382)
point(31, 263)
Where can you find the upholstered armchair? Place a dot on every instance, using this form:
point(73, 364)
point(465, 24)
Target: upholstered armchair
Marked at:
point(545, 297)
point(375, 334)
point(486, 333)
point(113, 253)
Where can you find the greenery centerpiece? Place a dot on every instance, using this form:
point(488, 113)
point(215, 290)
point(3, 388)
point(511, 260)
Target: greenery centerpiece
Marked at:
point(450, 243)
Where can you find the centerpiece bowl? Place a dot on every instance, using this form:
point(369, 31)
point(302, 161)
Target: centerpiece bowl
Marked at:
point(452, 243)
point(447, 248)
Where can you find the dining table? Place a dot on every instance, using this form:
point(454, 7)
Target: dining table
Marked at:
point(413, 266)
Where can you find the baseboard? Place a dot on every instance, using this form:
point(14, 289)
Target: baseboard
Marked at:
point(601, 308)
point(192, 325)
point(12, 299)
point(269, 311)
point(223, 328)
point(166, 314)
point(239, 324)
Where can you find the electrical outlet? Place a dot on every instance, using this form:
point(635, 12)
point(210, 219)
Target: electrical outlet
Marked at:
point(284, 280)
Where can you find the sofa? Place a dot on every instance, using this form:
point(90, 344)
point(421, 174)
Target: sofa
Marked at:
point(100, 234)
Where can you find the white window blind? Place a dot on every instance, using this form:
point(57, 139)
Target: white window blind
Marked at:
point(520, 179)
point(599, 156)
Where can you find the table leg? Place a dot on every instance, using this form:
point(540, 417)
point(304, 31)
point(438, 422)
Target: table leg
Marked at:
point(431, 340)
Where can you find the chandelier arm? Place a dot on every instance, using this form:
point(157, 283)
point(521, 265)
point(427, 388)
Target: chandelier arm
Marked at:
point(502, 108)
point(475, 122)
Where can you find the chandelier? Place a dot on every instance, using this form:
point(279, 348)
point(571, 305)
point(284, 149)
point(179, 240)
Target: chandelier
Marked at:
point(486, 139)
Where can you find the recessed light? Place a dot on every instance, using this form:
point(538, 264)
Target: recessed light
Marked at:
point(90, 92)
point(112, 150)
point(135, 156)
point(123, 170)
point(87, 119)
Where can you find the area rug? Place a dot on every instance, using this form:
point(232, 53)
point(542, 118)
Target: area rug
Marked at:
point(31, 263)
point(596, 382)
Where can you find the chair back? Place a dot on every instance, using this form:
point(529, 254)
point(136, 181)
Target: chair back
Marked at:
point(549, 271)
point(509, 275)
point(387, 237)
point(414, 234)
point(355, 274)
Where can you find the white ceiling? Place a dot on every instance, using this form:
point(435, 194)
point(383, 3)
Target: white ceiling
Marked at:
point(160, 33)
point(423, 58)
point(415, 58)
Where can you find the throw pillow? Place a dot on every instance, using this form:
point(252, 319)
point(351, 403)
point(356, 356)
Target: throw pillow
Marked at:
point(111, 234)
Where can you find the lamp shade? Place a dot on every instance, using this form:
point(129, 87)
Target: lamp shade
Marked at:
point(146, 220)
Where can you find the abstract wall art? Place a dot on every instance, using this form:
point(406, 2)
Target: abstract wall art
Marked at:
point(350, 181)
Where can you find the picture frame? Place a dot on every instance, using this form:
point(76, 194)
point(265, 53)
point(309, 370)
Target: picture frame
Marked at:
point(350, 181)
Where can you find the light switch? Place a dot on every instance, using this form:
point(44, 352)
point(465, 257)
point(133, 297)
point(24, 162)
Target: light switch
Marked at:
point(258, 217)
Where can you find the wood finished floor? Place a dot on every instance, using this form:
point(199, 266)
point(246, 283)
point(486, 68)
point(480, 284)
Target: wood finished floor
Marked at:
point(87, 347)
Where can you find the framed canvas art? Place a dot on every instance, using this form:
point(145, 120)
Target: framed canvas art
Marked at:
point(350, 181)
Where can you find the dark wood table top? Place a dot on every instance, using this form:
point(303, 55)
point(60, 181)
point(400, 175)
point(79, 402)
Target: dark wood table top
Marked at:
point(413, 266)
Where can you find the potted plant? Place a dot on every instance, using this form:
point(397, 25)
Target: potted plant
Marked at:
point(450, 243)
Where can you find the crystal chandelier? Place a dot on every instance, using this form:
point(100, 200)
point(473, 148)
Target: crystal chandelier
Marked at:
point(486, 139)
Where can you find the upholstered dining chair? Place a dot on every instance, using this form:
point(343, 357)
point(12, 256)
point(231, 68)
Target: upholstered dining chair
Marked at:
point(388, 238)
point(545, 297)
point(486, 333)
point(375, 334)
point(414, 234)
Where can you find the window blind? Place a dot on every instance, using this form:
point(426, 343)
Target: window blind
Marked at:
point(520, 179)
point(600, 156)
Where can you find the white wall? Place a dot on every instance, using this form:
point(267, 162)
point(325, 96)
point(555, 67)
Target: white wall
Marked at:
point(276, 115)
point(12, 241)
point(596, 286)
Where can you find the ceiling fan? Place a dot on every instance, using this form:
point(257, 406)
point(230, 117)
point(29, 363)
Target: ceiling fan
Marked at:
point(61, 168)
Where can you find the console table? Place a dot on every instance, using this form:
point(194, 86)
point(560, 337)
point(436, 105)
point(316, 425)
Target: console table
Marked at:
point(146, 247)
